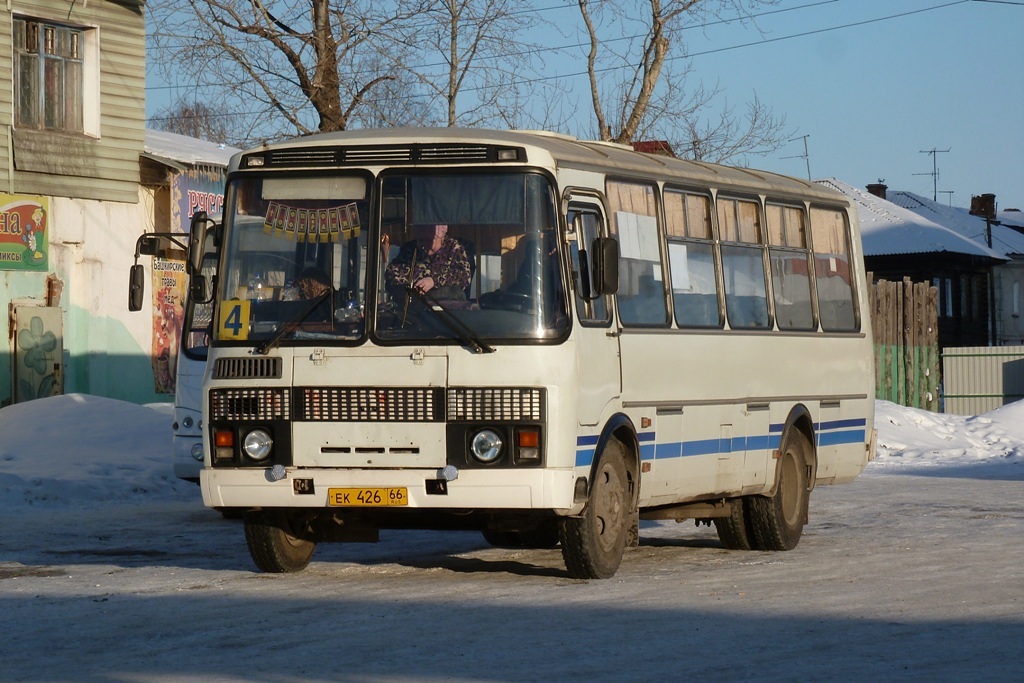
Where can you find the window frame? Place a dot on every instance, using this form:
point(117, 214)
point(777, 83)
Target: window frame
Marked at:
point(787, 250)
point(731, 248)
point(654, 204)
point(81, 43)
point(687, 238)
point(847, 244)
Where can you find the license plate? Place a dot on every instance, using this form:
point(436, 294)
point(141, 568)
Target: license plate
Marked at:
point(368, 496)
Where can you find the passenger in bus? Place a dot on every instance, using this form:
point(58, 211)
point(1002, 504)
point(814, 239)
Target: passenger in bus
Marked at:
point(311, 283)
point(432, 263)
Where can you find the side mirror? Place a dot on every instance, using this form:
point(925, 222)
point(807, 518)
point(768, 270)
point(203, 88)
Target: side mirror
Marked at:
point(197, 241)
point(606, 265)
point(148, 245)
point(136, 287)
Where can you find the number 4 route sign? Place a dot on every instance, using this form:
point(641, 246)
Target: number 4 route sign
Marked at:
point(233, 320)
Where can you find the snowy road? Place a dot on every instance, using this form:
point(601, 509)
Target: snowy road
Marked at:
point(898, 577)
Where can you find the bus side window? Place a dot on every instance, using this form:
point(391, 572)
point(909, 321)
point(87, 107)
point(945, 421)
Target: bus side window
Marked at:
point(691, 253)
point(641, 295)
point(587, 223)
point(832, 271)
point(746, 296)
point(790, 270)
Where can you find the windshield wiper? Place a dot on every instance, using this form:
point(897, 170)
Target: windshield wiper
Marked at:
point(284, 328)
point(459, 328)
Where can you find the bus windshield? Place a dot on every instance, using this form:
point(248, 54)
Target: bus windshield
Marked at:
point(469, 256)
point(294, 265)
point(464, 258)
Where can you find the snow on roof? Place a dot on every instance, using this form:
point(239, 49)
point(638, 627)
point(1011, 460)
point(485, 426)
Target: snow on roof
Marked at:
point(183, 149)
point(888, 229)
point(1004, 240)
point(1011, 217)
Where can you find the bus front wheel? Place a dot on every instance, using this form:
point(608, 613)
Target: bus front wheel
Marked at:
point(777, 521)
point(278, 543)
point(594, 542)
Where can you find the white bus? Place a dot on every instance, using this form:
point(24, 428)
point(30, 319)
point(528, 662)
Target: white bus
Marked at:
point(538, 337)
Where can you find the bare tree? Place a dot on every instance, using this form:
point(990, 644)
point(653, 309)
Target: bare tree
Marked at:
point(641, 90)
point(289, 67)
point(194, 119)
point(468, 58)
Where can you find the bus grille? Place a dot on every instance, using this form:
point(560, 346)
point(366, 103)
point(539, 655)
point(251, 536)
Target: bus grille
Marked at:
point(250, 404)
point(370, 404)
point(467, 404)
point(245, 368)
point(379, 404)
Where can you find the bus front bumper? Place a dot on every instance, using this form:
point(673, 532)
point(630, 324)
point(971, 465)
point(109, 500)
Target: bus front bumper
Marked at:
point(536, 489)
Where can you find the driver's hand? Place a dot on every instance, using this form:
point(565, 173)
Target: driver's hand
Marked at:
point(425, 284)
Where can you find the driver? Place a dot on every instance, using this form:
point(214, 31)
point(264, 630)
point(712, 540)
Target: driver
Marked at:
point(433, 262)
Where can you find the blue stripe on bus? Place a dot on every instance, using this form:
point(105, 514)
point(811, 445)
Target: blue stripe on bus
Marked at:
point(837, 438)
point(834, 433)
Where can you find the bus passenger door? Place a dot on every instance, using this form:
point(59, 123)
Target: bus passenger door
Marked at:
point(597, 341)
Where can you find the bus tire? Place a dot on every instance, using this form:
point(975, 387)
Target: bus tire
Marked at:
point(778, 520)
point(277, 543)
point(735, 531)
point(594, 542)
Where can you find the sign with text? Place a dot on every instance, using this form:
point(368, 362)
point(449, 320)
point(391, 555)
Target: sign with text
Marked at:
point(24, 232)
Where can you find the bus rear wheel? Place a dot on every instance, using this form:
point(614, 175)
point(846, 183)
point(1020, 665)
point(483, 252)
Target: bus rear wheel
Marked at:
point(594, 542)
point(735, 531)
point(278, 543)
point(777, 521)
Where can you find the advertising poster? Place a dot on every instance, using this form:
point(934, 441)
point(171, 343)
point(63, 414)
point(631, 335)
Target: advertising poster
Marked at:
point(24, 232)
point(197, 189)
point(170, 285)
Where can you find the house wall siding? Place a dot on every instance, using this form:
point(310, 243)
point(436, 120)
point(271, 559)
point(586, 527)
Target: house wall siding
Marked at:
point(81, 166)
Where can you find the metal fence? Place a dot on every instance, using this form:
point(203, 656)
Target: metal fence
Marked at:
point(977, 379)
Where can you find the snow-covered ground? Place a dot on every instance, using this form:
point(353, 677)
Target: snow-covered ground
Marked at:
point(111, 570)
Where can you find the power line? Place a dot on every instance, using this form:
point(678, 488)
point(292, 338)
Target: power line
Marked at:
point(563, 48)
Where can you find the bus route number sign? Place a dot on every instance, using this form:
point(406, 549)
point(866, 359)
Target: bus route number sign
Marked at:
point(233, 320)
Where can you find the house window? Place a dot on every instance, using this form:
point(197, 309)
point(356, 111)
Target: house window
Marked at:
point(49, 76)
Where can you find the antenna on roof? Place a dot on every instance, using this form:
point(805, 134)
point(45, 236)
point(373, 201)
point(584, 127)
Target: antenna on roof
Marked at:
point(805, 156)
point(949, 198)
point(935, 170)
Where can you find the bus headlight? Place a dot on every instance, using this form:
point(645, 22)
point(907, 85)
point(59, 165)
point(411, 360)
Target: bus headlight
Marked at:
point(257, 444)
point(486, 446)
point(197, 452)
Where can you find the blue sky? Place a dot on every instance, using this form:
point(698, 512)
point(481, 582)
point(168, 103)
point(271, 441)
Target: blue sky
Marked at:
point(871, 89)
point(872, 97)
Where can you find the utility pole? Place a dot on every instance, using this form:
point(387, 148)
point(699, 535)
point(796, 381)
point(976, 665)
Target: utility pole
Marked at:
point(805, 156)
point(935, 170)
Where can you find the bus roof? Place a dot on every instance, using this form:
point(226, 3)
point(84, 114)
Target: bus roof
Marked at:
point(558, 151)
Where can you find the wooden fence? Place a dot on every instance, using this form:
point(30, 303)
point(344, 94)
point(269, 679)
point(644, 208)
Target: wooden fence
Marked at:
point(904, 317)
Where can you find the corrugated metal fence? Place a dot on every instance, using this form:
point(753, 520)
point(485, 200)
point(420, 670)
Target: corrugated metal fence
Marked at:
point(977, 379)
